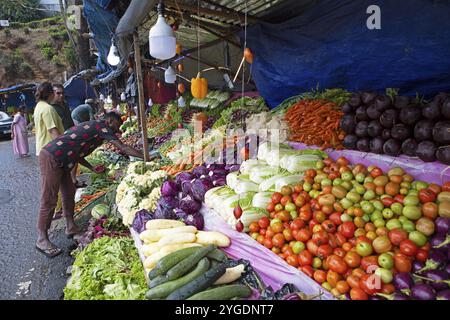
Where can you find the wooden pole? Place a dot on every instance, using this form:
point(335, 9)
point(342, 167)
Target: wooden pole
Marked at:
point(140, 83)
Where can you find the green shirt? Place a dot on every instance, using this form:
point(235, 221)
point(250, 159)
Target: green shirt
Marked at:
point(64, 112)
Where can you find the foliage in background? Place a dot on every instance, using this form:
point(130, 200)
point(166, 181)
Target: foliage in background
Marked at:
point(13, 63)
point(19, 11)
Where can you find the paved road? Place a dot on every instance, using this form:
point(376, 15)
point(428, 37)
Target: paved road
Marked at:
point(24, 272)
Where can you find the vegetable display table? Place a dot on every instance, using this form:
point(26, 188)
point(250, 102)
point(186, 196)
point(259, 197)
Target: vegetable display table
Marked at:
point(273, 270)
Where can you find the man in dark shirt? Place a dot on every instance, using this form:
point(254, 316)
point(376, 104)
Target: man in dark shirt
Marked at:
point(61, 106)
point(58, 158)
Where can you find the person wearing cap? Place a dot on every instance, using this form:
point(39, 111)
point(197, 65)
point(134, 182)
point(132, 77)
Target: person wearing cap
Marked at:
point(84, 112)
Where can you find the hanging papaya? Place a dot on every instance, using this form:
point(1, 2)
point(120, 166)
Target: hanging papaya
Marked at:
point(248, 55)
point(178, 48)
point(181, 88)
point(180, 67)
point(199, 87)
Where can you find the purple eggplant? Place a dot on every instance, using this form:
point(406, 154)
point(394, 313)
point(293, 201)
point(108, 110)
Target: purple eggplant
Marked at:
point(442, 225)
point(423, 292)
point(394, 296)
point(436, 260)
point(438, 279)
point(440, 242)
point(443, 295)
point(377, 298)
point(417, 265)
point(447, 268)
point(403, 281)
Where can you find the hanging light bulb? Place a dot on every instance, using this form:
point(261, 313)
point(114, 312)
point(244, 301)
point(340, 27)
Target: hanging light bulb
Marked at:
point(109, 100)
point(102, 97)
point(150, 102)
point(228, 81)
point(181, 102)
point(170, 76)
point(122, 96)
point(113, 56)
point(162, 40)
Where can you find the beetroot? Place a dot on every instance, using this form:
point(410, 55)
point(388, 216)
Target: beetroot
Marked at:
point(392, 147)
point(443, 154)
point(441, 132)
point(423, 130)
point(410, 114)
point(426, 151)
point(409, 147)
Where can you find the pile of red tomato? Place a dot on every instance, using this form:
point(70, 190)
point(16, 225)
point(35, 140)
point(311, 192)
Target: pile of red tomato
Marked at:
point(346, 244)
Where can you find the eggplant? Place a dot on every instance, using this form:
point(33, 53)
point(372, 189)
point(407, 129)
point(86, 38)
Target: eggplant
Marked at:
point(382, 103)
point(372, 112)
point(355, 100)
point(346, 108)
point(445, 108)
point(348, 123)
point(410, 114)
point(441, 132)
point(440, 98)
point(417, 265)
point(363, 145)
point(443, 154)
point(401, 102)
point(368, 97)
point(436, 260)
point(440, 242)
point(374, 129)
point(350, 141)
point(400, 132)
point(409, 147)
point(431, 111)
point(447, 268)
point(386, 134)
point(361, 129)
point(438, 279)
point(423, 130)
point(394, 296)
point(361, 114)
point(442, 225)
point(376, 298)
point(403, 281)
point(392, 147)
point(389, 118)
point(443, 295)
point(426, 151)
point(376, 145)
point(423, 292)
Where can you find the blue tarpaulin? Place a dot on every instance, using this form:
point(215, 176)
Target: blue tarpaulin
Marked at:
point(329, 45)
point(76, 91)
point(13, 95)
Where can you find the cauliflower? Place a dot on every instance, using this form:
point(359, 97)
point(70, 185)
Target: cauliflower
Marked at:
point(149, 203)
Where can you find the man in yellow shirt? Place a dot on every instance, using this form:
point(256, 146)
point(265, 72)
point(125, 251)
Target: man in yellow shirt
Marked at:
point(47, 122)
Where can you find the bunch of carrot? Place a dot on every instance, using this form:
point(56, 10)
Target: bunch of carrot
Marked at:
point(315, 122)
point(87, 199)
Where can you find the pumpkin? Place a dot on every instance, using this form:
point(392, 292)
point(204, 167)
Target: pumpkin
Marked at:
point(199, 87)
point(181, 88)
point(248, 55)
point(180, 67)
point(178, 48)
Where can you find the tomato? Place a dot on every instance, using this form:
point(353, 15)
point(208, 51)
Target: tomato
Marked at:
point(285, 199)
point(332, 240)
point(287, 233)
point(339, 252)
point(310, 173)
point(366, 262)
point(422, 255)
point(430, 210)
point(364, 248)
point(278, 240)
point(319, 216)
point(305, 258)
point(426, 195)
point(312, 247)
point(260, 239)
point(446, 186)
point(284, 216)
point(358, 294)
point(298, 188)
point(337, 264)
point(329, 226)
point(435, 188)
point(268, 243)
point(303, 235)
point(408, 248)
point(402, 263)
point(305, 215)
point(348, 229)
point(396, 236)
point(387, 288)
point(358, 272)
point(277, 227)
point(270, 207)
point(426, 247)
point(320, 276)
point(264, 222)
point(352, 259)
point(335, 217)
point(292, 260)
point(340, 239)
point(376, 172)
point(270, 233)
point(320, 238)
point(324, 251)
point(333, 278)
point(343, 287)
point(297, 224)
point(368, 284)
point(353, 281)
point(347, 246)
point(254, 227)
point(308, 270)
point(387, 201)
point(262, 232)
point(399, 198)
point(276, 197)
point(276, 250)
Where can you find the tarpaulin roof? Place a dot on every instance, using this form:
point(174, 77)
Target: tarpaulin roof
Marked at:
point(18, 88)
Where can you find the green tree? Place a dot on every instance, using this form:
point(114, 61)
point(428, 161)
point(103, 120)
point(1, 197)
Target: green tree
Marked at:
point(20, 10)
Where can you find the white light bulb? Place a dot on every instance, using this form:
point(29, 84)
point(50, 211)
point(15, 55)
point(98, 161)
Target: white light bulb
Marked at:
point(150, 102)
point(162, 40)
point(113, 56)
point(102, 97)
point(109, 100)
point(170, 76)
point(122, 96)
point(181, 102)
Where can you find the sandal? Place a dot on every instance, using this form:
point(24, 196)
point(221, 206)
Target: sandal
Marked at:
point(50, 252)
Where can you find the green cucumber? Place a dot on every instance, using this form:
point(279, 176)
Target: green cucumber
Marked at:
point(217, 255)
point(188, 263)
point(223, 293)
point(214, 263)
point(163, 290)
point(170, 260)
point(199, 284)
point(157, 281)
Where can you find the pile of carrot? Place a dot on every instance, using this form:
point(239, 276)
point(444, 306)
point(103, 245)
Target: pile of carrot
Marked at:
point(87, 199)
point(316, 122)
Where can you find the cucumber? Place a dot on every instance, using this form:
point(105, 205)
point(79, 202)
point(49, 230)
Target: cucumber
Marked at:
point(199, 284)
point(163, 290)
point(157, 281)
point(217, 255)
point(188, 263)
point(170, 260)
point(223, 293)
point(214, 263)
